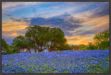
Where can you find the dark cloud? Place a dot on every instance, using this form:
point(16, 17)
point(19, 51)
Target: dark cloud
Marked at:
point(66, 22)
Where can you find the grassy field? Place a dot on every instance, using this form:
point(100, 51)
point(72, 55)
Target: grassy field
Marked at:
point(87, 61)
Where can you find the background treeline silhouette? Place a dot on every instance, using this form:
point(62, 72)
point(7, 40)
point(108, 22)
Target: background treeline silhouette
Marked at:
point(40, 38)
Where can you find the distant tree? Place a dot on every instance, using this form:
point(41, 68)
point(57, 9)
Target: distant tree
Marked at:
point(76, 47)
point(102, 40)
point(66, 47)
point(83, 47)
point(91, 46)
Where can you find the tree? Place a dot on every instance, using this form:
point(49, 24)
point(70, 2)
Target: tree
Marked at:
point(45, 37)
point(21, 42)
point(38, 36)
point(7, 49)
point(4, 45)
point(57, 39)
point(102, 40)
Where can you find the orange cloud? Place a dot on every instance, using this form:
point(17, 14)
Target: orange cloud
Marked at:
point(92, 24)
point(80, 39)
point(97, 21)
point(13, 28)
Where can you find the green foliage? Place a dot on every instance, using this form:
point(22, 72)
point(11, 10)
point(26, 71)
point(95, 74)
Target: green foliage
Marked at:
point(57, 38)
point(66, 47)
point(13, 50)
point(98, 69)
point(83, 47)
point(102, 40)
point(45, 37)
point(22, 42)
point(4, 45)
point(91, 46)
point(7, 49)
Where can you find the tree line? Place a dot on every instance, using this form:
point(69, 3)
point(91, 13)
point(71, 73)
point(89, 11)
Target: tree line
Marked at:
point(40, 38)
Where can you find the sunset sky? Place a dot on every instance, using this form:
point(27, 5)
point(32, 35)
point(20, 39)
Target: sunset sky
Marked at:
point(79, 20)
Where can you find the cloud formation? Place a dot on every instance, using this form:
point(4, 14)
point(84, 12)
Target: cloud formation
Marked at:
point(65, 22)
point(76, 19)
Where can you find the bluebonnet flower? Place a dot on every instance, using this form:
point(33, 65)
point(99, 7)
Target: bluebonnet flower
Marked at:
point(55, 62)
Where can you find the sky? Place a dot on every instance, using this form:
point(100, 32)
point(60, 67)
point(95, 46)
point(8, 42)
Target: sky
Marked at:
point(80, 21)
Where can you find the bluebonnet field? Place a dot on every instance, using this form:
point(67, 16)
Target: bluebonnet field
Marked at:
point(87, 61)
